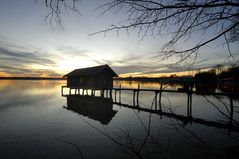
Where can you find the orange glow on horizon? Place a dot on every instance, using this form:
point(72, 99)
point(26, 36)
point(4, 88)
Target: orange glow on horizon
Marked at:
point(157, 75)
point(4, 74)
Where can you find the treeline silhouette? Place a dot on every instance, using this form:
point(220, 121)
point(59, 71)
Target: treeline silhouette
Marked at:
point(226, 79)
point(218, 74)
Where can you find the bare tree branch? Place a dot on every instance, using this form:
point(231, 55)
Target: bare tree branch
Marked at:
point(57, 8)
point(181, 19)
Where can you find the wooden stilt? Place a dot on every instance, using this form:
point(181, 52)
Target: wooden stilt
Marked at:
point(110, 93)
point(189, 103)
point(115, 96)
point(231, 109)
point(188, 106)
point(160, 97)
point(137, 95)
point(155, 102)
point(120, 94)
point(160, 106)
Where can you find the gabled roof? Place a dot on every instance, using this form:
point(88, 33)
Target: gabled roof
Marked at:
point(91, 71)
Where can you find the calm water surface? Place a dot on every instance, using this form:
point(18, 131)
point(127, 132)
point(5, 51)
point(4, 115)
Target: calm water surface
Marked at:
point(37, 122)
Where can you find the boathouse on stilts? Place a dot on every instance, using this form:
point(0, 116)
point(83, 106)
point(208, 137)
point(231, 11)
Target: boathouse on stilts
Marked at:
point(98, 78)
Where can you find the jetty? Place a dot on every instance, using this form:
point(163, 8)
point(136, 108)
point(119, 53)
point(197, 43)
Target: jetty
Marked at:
point(98, 82)
point(115, 94)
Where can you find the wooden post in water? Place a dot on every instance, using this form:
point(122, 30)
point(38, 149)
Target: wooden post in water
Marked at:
point(191, 97)
point(120, 94)
point(69, 91)
point(160, 95)
point(189, 103)
point(110, 93)
point(102, 93)
point(155, 99)
point(133, 97)
point(231, 109)
point(137, 98)
point(115, 96)
point(106, 91)
point(188, 106)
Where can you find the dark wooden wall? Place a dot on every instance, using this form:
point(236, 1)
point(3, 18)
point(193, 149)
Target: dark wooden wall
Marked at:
point(101, 81)
point(105, 80)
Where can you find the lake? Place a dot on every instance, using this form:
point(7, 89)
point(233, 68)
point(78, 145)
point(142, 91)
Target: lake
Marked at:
point(36, 121)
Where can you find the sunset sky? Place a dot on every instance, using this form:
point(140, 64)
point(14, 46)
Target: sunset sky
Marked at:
point(29, 46)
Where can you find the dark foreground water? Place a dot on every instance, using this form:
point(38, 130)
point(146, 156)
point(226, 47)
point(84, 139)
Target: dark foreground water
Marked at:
point(36, 122)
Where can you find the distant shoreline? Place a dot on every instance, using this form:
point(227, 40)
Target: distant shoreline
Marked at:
point(142, 79)
point(30, 78)
point(138, 79)
point(159, 79)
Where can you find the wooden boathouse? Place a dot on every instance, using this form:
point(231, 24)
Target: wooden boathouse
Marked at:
point(94, 78)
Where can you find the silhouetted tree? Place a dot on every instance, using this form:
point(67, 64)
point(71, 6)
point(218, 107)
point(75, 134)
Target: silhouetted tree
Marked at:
point(57, 8)
point(231, 74)
point(218, 69)
point(206, 76)
point(218, 19)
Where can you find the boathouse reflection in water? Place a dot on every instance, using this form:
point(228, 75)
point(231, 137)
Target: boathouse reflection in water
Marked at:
point(96, 108)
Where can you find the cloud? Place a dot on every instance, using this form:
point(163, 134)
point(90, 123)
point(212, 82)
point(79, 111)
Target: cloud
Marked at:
point(73, 51)
point(24, 57)
point(21, 60)
point(133, 68)
point(43, 72)
point(18, 63)
point(13, 69)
